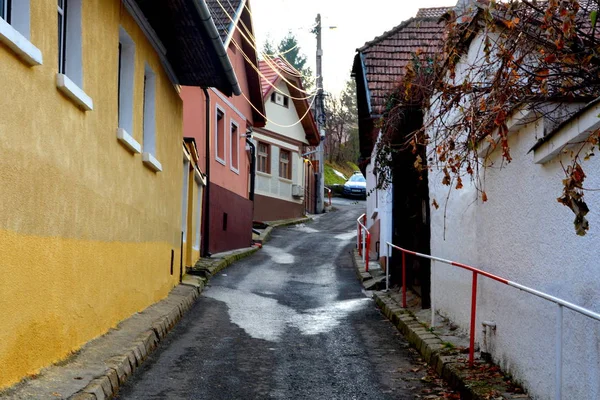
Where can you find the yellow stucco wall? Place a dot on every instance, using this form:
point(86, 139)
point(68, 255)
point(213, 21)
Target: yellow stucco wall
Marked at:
point(86, 230)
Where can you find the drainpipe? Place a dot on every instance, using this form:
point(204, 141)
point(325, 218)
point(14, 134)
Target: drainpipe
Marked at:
point(205, 252)
point(252, 163)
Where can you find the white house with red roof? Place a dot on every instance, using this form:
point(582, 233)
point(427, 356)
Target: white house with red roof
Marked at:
point(281, 174)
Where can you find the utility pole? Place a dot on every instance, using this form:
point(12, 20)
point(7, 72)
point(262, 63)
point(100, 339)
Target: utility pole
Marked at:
point(320, 114)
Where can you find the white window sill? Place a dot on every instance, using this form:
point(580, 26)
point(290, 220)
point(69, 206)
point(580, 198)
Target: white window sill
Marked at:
point(265, 174)
point(220, 160)
point(12, 39)
point(236, 170)
point(74, 92)
point(151, 162)
point(285, 180)
point(128, 141)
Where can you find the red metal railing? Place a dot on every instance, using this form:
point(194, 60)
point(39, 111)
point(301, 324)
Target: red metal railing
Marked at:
point(559, 302)
point(329, 195)
point(363, 240)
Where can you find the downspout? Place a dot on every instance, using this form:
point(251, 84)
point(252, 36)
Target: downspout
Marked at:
point(252, 164)
point(218, 45)
point(205, 238)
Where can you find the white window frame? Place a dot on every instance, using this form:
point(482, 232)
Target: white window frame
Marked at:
point(69, 79)
point(125, 88)
point(184, 196)
point(15, 33)
point(237, 146)
point(149, 127)
point(219, 109)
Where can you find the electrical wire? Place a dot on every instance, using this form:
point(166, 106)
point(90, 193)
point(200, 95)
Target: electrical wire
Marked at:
point(254, 38)
point(275, 123)
point(276, 70)
point(253, 45)
point(265, 78)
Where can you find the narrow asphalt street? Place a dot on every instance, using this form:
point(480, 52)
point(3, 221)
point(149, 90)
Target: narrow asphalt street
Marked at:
point(289, 322)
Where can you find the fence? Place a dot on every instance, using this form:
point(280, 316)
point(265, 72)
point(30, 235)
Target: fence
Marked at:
point(476, 272)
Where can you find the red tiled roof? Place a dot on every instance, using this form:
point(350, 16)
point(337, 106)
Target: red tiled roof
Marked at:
point(271, 75)
point(386, 56)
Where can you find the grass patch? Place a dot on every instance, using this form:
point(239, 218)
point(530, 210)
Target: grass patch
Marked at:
point(346, 168)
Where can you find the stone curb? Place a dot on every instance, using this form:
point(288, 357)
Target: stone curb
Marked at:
point(121, 367)
point(450, 367)
point(266, 234)
point(208, 267)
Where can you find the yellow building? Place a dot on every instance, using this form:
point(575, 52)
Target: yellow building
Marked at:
point(91, 157)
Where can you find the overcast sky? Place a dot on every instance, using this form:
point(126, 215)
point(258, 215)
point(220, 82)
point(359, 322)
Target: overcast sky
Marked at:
point(357, 22)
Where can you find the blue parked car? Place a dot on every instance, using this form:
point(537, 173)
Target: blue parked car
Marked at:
point(356, 186)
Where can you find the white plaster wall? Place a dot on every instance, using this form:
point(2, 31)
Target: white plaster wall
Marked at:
point(271, 184)
point(281, 118)
point(523, 234)
point(380, 199)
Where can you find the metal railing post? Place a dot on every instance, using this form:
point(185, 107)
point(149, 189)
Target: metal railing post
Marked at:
point(387, 267)
point(432, 291)
point(358, 238)
point(473, 313)
point(559, 337)
point(367, 247)
point(403, 279)
point(364, 239)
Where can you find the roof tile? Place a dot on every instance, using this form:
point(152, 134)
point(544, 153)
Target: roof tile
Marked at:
point(386, 56)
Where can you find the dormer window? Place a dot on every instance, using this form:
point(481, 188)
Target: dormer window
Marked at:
point(280, 99)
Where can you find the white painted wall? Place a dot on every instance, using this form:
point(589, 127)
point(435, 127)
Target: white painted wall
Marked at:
point(280, 118)
point(379, 200)
point(523, 234)
point(271, 184)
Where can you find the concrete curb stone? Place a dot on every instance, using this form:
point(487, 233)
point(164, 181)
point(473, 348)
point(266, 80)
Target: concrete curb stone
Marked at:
point(451, 367)
point(122, 367)
point(266, 234)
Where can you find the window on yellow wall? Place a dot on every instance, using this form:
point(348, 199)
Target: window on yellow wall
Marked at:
point(285, 162)
point(5, 10)
point(70, 63)
point(234, 154)
point(149, 127)
point(125, 78)
point(263, 158)
point(15, 32)
point(149, 154)
point(220, 136)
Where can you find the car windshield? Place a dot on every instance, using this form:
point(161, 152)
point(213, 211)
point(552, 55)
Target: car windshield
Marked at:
point(357, 178)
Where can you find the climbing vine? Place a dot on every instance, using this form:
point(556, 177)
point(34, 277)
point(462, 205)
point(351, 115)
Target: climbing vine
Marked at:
point(496, 61)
